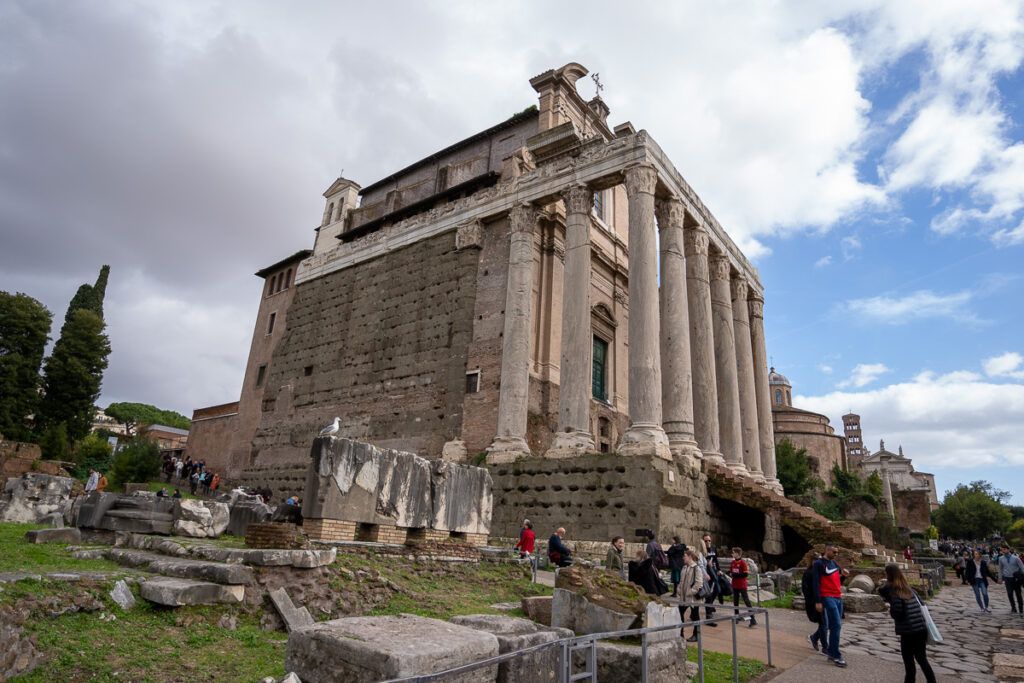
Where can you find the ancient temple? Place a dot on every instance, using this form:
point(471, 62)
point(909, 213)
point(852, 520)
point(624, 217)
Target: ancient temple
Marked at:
point(549, 297)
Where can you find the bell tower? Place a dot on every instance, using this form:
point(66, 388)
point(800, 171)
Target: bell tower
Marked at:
point(340, 198)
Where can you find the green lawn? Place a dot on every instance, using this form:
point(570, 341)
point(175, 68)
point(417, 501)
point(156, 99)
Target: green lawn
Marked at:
point(18, 555)
point(718, 666)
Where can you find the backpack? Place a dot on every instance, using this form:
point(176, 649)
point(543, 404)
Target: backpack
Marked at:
point(659, 558)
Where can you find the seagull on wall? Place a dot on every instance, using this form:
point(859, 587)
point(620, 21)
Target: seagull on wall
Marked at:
point(332, 428)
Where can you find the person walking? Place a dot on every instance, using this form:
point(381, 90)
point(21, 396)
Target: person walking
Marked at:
point(818, 639)
point(675, 554)
point(527, 540)
point(1011, 572)
point(613, 560)
point(978, 573)
point(690, 581)
point(739, 571)
point(829, 600)
point(911, 627)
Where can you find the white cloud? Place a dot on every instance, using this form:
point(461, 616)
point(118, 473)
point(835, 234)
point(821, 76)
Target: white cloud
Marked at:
point(823, 261)
point(864, 374)
point(825, 369)
point(917, 305)
point(1004, 365)
point(850, 246)
point(956, 420)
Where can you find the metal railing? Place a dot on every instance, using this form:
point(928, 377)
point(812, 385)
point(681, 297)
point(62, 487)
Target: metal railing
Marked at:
point(568, 646)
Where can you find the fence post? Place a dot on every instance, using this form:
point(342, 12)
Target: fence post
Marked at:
point(643, 658)
point(768, 634)
point(735, 655)
point(700, 653)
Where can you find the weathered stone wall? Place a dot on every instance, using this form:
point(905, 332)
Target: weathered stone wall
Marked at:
point(212, 435)
point(913, 510)
point(381, 345)
point(283, 480)
point(16, 458)
point(824, 451)
point(596, 497)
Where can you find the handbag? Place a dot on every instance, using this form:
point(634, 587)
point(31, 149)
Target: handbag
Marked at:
point(934, 637)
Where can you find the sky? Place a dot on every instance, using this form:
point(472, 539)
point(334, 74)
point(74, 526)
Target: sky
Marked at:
point(868, 156)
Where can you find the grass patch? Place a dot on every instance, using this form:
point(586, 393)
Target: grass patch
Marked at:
point(150, 646)
point(18, 555)
point(784, 601)
point(718, 666)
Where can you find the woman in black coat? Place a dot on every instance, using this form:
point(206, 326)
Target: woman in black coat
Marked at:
point(978, 574)
point(911, 627)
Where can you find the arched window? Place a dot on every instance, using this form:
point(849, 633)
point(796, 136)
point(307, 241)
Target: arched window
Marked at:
point(329, 216)
point(789, 398)
point(273, 282)
point(778, 397)
point(288, 279)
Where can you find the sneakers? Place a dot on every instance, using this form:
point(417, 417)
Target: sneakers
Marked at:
point(692, 639)
point(989, 610)
point(813, 642)
point(752, 624)
point(713, 624)
point(841, 663)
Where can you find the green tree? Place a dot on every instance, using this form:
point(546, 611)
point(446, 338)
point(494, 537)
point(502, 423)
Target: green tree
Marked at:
point(24, 331)
point(54, 442)
point(73, 374)
point(136, 461)
point(874, 487)
point(91, 453)
point(89, 297)
point(131, 415)
point(973, 511)
point(793, 468)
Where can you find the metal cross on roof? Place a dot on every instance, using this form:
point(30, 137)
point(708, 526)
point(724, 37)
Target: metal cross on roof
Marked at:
point(596, 77)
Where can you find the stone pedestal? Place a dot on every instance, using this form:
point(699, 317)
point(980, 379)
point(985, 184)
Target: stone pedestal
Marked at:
point(645, 435)
point(676, 377)
point(573, 436)
point(510, 441)
point(702, 345)
point(725, 364)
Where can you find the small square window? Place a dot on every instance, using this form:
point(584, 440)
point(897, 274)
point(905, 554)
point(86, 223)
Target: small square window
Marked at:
point(308, 370)
point(472, 382)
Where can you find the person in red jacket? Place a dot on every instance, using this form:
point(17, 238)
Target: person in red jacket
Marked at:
point(739, 571)
point(526, 539)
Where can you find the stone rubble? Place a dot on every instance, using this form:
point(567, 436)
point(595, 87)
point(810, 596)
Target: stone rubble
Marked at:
point(32, 498)
point(122, 595)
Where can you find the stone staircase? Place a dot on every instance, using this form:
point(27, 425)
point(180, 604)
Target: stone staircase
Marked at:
point(194, 574)
point(815, 528)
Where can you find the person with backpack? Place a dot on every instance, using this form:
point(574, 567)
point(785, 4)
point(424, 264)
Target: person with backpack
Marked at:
point(911, 626)
point(818, 639)
point(739, 571)
point(675, 562)
point(654, 551)
point(828, 599)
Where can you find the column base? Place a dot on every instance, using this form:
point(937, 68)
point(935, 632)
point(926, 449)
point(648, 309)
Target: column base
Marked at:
point(454, 451)
point(757, 476)
point(714, 457)
point(684, 448)
point(571, 445)
point(775, 485)
point(645, 439)
point(507, 449)
point(739, 468)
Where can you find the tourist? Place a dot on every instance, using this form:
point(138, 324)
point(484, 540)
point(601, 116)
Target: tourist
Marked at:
point(828, 599)
point(176, 494)
point(908, 554)
point(558, 551)
point(1011, 571)
point(92, 481)
point(820, 637)
point(718, 580)
point(193, 482)
point(643, 573)
point(178, 464)
point(215, 483)
point(911, 627)
point(738, 572)
point(162, 493)
point(613, 560)
point(691, 580)
point(101, 483)
point(527, 539)
point(958, 567)
point(675, 562)
point(654, 551)
point(978, 574)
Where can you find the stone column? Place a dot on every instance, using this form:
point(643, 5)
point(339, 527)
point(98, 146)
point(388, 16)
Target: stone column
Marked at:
point(645, 435)
point(576, 369)
point(725, 364)
point(765, 427)
point(676, 378)
point(745, 379)
point(702, 345)
point(510, 441)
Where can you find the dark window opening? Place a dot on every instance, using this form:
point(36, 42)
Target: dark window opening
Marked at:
point(308, 370)
point(598, 378)
point(261, 373)
point(270, 323)
point(599, 204)
point(288, 279)
point(473, 382)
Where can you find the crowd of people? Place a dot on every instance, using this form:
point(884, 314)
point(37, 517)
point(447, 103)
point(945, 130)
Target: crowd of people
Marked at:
point(194, 473)
point(973, 565)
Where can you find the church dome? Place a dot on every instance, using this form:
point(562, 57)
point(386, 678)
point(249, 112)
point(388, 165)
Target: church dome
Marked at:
point(777, 378)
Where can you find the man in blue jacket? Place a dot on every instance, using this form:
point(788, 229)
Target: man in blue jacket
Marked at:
point(828, 599)
point(1011, 571)
point(558, 552)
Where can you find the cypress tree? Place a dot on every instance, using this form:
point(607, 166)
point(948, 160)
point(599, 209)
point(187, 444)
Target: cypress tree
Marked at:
point(24, 331)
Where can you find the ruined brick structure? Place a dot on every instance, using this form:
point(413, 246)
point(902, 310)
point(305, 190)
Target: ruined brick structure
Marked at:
point(504, 301)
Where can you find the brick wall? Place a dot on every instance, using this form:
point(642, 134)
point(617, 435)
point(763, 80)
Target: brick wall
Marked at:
point(212, 435)
point(383, 346)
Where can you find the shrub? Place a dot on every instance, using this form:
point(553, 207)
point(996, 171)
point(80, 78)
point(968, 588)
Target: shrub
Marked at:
point(91, 453)
point(136, 461)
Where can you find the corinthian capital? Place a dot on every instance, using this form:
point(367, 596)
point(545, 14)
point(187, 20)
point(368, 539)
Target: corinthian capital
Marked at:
point(719, 266)
point(640, 180)
point(696, 241)
point(578, 199)
point(670, 213)
point(522, 218)
point(739, 288)
point(755, 304)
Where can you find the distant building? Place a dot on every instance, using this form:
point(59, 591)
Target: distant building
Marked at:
point(909, 495)
point(805, 429)
point(166, 438)
point(100, 420)
point(855, 449)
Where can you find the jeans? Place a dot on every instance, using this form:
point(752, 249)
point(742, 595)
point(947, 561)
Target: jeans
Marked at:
point(738, 593)
point(915, 646)
point(1013, 590)
point(832, 615)
point(981, 593)
point(821, 635)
